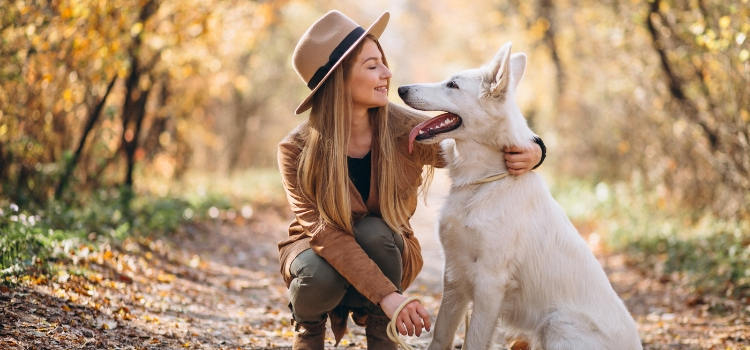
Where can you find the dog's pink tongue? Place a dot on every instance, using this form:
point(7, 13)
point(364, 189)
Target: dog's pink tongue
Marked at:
point(426, 125)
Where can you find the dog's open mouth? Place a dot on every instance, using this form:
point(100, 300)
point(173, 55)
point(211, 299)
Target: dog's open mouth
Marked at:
point(437, 125)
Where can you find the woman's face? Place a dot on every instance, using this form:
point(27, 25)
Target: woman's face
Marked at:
point(368, 78)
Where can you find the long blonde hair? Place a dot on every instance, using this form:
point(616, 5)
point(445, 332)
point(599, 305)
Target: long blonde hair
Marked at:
point(323, 173)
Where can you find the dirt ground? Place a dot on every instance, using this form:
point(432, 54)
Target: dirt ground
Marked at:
point(216, 286)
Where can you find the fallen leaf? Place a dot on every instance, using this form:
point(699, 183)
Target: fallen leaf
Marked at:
point(105, 323)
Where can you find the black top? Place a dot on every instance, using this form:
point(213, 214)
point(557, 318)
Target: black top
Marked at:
point(359, 173)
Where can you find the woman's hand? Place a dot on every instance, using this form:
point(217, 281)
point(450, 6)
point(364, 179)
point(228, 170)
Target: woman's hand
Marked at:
point(412, 318)
point(519, 160)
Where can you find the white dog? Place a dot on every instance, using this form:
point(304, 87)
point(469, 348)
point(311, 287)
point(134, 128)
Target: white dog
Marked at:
point(509, 247)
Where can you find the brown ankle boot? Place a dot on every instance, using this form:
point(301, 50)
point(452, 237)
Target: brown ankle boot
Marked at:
point(310, 336)
point(375, 331)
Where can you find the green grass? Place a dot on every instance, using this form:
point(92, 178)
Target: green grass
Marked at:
point(31, 238)
point(710, 254)
point(257, 187)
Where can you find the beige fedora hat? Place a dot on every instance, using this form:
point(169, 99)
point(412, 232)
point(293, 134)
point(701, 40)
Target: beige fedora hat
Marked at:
point(325, 44)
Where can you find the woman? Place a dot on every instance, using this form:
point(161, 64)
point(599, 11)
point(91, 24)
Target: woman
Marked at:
point(353, 186)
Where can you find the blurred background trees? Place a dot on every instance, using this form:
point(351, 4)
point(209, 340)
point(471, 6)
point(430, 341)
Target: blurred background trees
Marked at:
point(137, 93)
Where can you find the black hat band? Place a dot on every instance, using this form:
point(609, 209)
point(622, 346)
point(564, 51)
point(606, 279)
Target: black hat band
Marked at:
point(339, 51)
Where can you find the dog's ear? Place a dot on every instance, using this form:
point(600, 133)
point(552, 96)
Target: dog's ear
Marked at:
point(500, 68)
point(517, 68)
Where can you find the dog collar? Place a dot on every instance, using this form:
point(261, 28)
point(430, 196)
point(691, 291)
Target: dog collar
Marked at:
point(491, 178)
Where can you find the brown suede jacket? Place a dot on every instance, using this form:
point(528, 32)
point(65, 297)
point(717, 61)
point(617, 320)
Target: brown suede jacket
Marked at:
point(337, 247)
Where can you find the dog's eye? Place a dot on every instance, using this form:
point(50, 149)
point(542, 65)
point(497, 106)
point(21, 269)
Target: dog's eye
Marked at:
point(452, 84)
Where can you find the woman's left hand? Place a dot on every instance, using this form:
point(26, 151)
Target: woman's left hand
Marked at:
point(412, 318)
point(519, 160)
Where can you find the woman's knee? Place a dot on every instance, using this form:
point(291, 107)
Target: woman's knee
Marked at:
point(316, 287)
point(372, 232)
point(382, 245)
point(314, 272)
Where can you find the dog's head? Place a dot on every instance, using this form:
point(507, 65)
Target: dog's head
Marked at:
point(479, 104)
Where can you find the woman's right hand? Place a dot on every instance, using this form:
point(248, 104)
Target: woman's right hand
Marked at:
point(412, 318)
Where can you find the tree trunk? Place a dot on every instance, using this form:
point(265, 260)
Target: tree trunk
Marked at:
point(93, 117)
point(134, 108)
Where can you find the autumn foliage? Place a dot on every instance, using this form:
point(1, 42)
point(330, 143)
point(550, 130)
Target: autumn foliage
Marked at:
point(138, 145)
point(94, 92)
point(649, 98)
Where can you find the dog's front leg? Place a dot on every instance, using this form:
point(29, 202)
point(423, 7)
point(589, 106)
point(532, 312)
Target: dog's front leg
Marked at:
point(488, 301)
point(453, 307)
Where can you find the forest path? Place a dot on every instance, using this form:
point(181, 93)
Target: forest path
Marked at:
point(216, 286)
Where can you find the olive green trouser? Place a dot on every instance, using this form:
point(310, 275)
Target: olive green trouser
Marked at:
point(318, 288)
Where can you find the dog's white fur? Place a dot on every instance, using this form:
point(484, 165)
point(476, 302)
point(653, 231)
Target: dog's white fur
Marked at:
point(509, 247)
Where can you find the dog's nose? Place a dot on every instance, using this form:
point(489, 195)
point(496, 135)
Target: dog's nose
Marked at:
point(403, 91)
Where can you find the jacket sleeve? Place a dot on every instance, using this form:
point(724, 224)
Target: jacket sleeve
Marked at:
point(337, 247)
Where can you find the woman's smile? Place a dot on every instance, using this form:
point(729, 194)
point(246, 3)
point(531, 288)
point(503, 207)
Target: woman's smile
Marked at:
point(368, 79)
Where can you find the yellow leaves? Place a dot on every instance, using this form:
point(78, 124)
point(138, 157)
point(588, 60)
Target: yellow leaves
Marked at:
point(538, 29)
point(678, 128)
point(166, 277)
point(107, 326)
point(745, 115)
point(267, 13)
point(195, 29)
point(724, 22)
point(658, 104)
point(187, 71)
point(81, 43)
point(66, 13)
point(95, 278)
point(30, 30)
point(194, 261)
point(136, 29)
point(525, 9)
point(122, 72)
point(242, 83)
point(3, 129)
point(23, 9)
point(105, 323)
point(661, 203)
point(144, 82)
point(698, 27)
point(744, 55)
point(151, 319)
point(68, 32)
point(182, 126)
point(103, 51)
point(62, 276)
point(664, 7)
point(114, 46)
point(623, 147)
